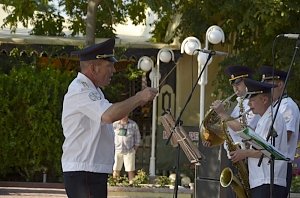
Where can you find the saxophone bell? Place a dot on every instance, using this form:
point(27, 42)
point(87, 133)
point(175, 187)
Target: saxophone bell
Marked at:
point(227, 178)
point(239, 183)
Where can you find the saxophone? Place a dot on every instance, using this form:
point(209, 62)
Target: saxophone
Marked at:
point(239, 183)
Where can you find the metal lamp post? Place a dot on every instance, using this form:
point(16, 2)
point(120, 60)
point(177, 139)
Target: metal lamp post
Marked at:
point(190, 46)
point(214, 35)
point(145, 63)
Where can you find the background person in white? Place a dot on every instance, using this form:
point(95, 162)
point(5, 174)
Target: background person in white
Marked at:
point(259, 176)
point(289, 110)
point(127, 141)
point(87, 117)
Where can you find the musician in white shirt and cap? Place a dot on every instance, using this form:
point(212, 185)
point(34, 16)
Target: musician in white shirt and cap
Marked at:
point(239, 117)
point(260, 176)
point(288, 108)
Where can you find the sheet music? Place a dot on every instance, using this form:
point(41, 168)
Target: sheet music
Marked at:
point(261, 144)
point(180, 137)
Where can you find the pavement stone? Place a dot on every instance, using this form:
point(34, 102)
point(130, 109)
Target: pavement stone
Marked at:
point(18, 192)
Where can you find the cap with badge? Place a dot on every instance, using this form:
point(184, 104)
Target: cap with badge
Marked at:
point(104, 50)
point(267, 73)
point(256, 87)
point(238, 72)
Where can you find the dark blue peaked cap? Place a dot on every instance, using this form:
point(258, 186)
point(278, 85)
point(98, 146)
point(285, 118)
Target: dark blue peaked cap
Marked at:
point(267, 73)
point(104, 50)
point(255, 87)
point(238, 72)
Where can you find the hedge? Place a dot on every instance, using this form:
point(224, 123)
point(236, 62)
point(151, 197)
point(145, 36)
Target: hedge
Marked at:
point(30, 130)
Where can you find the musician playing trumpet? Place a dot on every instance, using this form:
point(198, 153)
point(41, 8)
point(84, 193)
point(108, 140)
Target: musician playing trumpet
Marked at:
point(238, 118)
point(241, 114)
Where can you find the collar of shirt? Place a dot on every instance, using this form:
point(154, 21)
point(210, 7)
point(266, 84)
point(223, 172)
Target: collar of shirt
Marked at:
point(277, 101)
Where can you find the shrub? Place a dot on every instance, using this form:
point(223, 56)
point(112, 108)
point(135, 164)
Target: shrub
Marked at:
point(163, 181)
point(295, 187)
point(30, 131)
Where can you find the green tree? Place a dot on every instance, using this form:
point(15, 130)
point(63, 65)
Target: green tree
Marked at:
point(93, 18)
point(250, 26)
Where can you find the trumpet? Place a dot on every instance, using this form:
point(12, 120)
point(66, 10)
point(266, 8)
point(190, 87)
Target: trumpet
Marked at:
point(226, 102)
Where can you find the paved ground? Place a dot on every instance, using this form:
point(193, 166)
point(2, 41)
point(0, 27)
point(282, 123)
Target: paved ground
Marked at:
point(17, 192)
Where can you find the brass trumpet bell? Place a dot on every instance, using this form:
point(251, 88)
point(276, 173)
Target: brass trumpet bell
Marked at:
point(211, 129)
point(213, 134)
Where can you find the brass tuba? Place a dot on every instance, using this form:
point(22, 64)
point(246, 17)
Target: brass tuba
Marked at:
point(211, 129)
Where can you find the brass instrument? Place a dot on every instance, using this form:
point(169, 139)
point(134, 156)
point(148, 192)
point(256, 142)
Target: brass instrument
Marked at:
point(239, 183)
point(211, 129)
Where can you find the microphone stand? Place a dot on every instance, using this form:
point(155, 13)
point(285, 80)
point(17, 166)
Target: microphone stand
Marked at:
point(272, 133)
point(179, 122)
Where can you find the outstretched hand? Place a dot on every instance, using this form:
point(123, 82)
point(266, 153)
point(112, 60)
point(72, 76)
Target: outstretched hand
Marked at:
point(147, 94)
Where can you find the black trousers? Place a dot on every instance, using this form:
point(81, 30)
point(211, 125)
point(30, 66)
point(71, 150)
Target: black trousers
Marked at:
point(81, 184)
point(263, 191)
point(289, 176)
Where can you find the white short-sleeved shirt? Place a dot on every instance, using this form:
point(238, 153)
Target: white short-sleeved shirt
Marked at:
point(290, 112)
point(251, 118)
point(261, 175)
point(89, 144)
point(125, 143)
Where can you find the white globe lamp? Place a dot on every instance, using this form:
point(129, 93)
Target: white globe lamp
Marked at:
point(145, 63)
point(165, 56)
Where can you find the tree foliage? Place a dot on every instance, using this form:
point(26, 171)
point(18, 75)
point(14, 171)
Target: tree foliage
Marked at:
point(249, 25)
point(23, 11)
point(30, 129)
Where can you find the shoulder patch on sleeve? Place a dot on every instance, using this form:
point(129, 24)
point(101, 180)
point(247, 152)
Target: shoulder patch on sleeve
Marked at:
point(83, 84)
point(94, 95)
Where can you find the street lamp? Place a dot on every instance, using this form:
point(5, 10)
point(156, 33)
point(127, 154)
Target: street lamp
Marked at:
point(145, 63)
point(191, 46)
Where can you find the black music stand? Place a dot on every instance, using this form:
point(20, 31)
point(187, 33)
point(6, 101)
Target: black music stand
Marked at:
point(261, 144)
point(180, 139)
point(183, 139)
